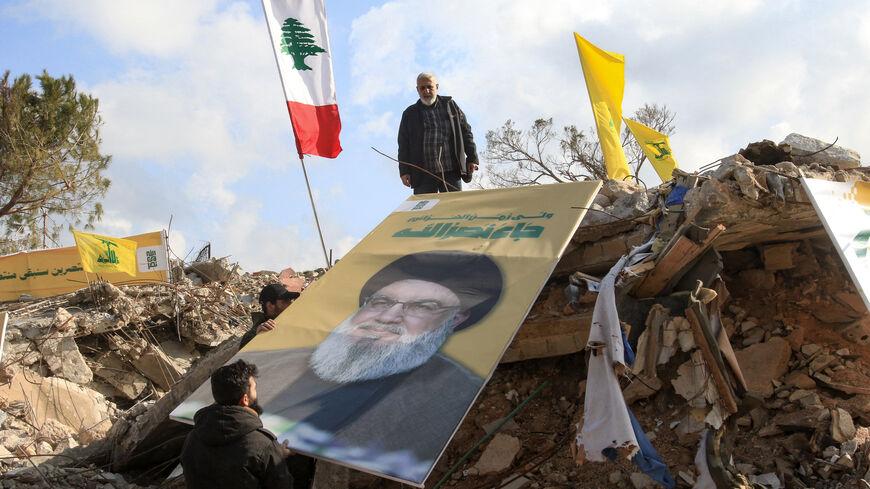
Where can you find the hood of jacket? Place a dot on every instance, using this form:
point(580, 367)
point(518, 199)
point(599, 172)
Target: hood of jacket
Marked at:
point(219, 425)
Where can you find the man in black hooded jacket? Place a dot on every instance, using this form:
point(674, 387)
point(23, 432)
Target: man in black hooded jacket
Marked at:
point(228, 446)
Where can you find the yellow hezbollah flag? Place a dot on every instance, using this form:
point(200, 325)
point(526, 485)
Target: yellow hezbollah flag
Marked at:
point(605, 79)
point(102, 254)
point(656, 146)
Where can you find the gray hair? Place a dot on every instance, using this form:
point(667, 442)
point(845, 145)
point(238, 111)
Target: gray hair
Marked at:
point(426, 75)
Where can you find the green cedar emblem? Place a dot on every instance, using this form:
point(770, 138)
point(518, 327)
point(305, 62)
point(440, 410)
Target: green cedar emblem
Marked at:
point(297, 41)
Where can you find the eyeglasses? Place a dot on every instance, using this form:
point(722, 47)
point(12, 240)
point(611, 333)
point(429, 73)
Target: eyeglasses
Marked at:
point(381, 303)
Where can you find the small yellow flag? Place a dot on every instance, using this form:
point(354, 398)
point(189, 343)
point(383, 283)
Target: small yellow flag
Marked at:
point(605, 80)
point(102, 254)
point(656, 146)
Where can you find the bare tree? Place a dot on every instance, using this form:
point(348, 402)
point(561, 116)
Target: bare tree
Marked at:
point(515, 157)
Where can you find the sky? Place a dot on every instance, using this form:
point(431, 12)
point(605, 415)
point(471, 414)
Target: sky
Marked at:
point(195, 119)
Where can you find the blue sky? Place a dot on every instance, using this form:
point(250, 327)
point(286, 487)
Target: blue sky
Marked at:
point(197, 126)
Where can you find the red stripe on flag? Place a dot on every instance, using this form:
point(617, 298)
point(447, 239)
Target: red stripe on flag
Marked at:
point(316, 129)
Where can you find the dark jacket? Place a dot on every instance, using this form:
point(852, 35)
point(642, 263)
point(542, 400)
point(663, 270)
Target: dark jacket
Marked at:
point(257, 318)
point(229, 447)
point(411, 140)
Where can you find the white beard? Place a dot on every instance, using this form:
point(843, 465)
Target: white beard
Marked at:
point(342, 359)
point(428, 101)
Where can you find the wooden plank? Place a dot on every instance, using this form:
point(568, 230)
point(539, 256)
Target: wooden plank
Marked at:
point(683, 251)
point(549, 337)
point(704, 341)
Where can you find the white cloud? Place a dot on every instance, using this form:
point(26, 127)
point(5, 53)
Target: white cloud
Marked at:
point(260, 244)
point(177, 244)
point(380, 125)
point(156, 27)
point(727, 75)
point(114, 224)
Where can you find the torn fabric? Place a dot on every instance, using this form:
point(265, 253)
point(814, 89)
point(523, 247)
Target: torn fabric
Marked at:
point(606, 421)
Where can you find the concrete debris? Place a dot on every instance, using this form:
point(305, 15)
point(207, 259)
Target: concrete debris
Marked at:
point(806, 150)
point(499, 454)
point(78, 364)
point(214, 270)
point(763, 363)
point(769, 354)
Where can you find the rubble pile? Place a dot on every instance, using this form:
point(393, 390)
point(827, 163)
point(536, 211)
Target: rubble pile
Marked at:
point(74, 365)
point(788, 398)
point(752, 349)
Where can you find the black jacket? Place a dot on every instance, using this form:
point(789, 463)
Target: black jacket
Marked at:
point(229, 448)
point(257, 318)
point(411, 140)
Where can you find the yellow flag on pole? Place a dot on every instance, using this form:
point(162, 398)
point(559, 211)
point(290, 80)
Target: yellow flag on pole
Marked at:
point(605, 80)
point(103, 254)
point(656, 146)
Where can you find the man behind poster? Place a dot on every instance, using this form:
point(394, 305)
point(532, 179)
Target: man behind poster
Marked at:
point(376, 393)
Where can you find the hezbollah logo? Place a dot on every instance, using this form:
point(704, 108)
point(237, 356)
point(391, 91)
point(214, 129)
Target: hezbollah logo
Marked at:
point(297, 41)
point(661, 149)
point(111, 256)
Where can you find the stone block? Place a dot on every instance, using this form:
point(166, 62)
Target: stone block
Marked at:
point(499, 454)
point(763, 363)
point(803, 147)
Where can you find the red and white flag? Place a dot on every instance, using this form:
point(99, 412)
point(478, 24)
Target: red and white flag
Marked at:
point(298, 32)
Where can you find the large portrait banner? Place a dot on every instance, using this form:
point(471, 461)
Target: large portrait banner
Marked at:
point(377, 363)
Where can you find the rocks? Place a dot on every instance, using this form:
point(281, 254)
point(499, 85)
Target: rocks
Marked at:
point(842, 428)
point(639, 480)
point(806, 150)
point(126, 381)
point(157, 366)
point(763, 363)
point(60, 352)
point(799, 380)
point(64, 359)
point(499, 454)
point(54, 398)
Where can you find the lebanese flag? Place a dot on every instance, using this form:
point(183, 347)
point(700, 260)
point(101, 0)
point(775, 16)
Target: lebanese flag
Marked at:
point(298, 32)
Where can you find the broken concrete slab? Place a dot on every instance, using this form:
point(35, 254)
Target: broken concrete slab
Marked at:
point(114, 371)
point(213, 270)
point(779, 256)
point(763, 363)
point(806, 150)
point(63, 357)
point(499, 454)
point(54, 398)
point(158, 367)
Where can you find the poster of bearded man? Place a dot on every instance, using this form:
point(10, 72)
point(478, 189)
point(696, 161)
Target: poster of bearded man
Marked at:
point(377, 363)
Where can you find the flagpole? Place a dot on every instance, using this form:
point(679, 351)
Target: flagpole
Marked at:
point(316, 220)
point(301, 160)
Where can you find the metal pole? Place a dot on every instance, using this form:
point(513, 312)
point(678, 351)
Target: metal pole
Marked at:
point(490, 434)
point(316, 220)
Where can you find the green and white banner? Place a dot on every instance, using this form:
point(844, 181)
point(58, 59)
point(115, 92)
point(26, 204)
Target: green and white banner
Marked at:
point(844, 208)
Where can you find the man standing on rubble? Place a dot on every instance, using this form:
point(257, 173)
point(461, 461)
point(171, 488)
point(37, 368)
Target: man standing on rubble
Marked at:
point(274, 298)
point(228, 446)
point(436, 146)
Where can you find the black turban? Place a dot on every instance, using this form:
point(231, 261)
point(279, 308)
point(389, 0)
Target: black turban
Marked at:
point(473, 277)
